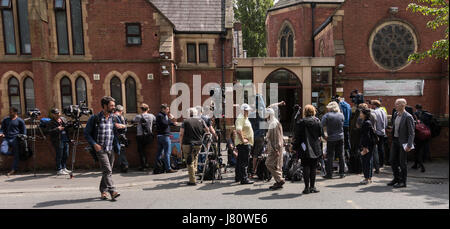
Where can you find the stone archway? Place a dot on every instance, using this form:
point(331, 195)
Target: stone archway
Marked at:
point(289, 90)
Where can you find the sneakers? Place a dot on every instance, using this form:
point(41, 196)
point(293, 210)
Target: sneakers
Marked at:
point(364, 182)
point(171, 171)
point(11, 173)
point(62, 172)
point(67, 171)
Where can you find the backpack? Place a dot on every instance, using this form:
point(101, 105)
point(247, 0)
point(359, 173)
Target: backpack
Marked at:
point(295, 172)
point(211, 169)
point(25, 152)
point(146, 132)
point(422, 131)
point(261, 170)
point(43, 124)
point(435, 128)
point(159, 167)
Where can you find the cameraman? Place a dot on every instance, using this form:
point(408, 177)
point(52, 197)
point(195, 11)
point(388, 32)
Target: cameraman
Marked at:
point(144, 135)
point(191, 134)
point(12, 126)
point(120, 140)
point(60, 140)
point(99, 132)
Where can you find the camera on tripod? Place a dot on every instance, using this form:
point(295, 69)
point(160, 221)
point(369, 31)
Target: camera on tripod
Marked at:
point(76, 111)
point(34, 113)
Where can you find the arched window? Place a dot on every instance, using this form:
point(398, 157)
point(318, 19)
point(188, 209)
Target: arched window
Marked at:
point(14, 93)
point(66, 92)
point(81, 91)
point(130, 86)
point(28, 88)
point(116, 90)
point(287, 42)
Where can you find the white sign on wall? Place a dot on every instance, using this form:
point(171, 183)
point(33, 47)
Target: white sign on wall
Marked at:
point(393, 87)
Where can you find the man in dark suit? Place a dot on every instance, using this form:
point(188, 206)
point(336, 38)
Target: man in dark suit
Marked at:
point(402, 143)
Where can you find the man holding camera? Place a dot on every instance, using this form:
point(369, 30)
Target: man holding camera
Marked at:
point(144, 135)
point(12, 126)
point(244, 142)
point(60, 140)
point(99, 132)
point(120, 140)
point(191, 134)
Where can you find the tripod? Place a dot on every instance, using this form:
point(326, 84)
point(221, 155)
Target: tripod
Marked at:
point(76, 142)
point(34, 125)
point(206, 144)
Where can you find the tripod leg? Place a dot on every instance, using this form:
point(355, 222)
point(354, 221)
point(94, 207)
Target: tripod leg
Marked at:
point(74, 151)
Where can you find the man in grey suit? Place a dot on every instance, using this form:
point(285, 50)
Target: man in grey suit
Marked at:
point(402, 143)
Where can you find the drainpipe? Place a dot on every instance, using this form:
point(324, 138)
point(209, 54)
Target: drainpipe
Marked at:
point(222, 85)
point(313, 6)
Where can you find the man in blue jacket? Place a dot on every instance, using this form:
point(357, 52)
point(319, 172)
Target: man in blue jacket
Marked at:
point(346, 110)
point(12, 126)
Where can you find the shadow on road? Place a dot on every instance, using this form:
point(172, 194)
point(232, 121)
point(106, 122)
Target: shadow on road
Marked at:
point(343, 185)
point(30, 177)
point(167, 186)
point(65, 202)
point(247, 192)
point(276, 196)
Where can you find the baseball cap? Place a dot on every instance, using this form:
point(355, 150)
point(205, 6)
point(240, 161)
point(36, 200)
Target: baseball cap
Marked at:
point(246, 107)
point(55, 111)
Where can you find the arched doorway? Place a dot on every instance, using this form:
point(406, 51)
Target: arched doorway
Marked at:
point(290, 91)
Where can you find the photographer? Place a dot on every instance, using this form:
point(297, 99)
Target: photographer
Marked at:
point(120, 140)
point(357, 97)
point(12, 126)
point(191, 134)
point(60, 140)
point(99, 132)
point(144, 134)
point(163, 122)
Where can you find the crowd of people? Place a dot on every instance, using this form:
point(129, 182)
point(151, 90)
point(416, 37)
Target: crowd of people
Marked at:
point(357, 138)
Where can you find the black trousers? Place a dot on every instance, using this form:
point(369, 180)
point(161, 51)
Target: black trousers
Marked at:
point(332, 148)
point(419, 153)
point(242, 162)
point(380, 147)
point(399, 161)
point(309, 171)
point(347, 147)
point(141, 144)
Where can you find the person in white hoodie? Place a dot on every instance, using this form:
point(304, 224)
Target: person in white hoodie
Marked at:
point(275, 143)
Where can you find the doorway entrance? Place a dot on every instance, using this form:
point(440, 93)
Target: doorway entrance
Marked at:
point(290, 91)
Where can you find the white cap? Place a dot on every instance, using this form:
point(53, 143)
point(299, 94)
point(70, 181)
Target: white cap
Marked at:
point(270, 111)
point(246, 107)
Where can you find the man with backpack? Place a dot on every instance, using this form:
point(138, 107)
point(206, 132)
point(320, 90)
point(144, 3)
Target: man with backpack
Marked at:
point(12, 127)
point(380, 129)
point(100, 132)
point(144, 135)
point(422, 140)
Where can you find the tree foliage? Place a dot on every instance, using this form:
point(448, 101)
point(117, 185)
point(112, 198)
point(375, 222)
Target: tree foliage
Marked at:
point(252, 15)
point(437, 10)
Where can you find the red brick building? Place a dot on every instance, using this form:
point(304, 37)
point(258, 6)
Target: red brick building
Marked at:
point(369, 43)
point(54, 53)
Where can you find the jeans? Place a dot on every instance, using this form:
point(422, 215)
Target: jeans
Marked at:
point(375, 158)
point(367, 164)
point(121, 152)
point(14, 143)
point(332, 148)
point(242, 162)
point(164, 149)
point(62, 153)
point(399, 161)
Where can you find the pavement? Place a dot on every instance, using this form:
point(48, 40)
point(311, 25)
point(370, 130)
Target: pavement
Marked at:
point(436, 172)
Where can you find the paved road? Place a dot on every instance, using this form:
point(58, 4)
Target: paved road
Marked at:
point(169, 191)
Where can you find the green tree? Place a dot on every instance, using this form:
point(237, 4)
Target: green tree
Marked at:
point(252, 15)
point(437, 10)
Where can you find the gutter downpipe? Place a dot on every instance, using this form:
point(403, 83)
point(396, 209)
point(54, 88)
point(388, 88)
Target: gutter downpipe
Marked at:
point(313, 6)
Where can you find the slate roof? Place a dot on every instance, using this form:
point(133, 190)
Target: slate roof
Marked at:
point(286, 3)
point(192, 15)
